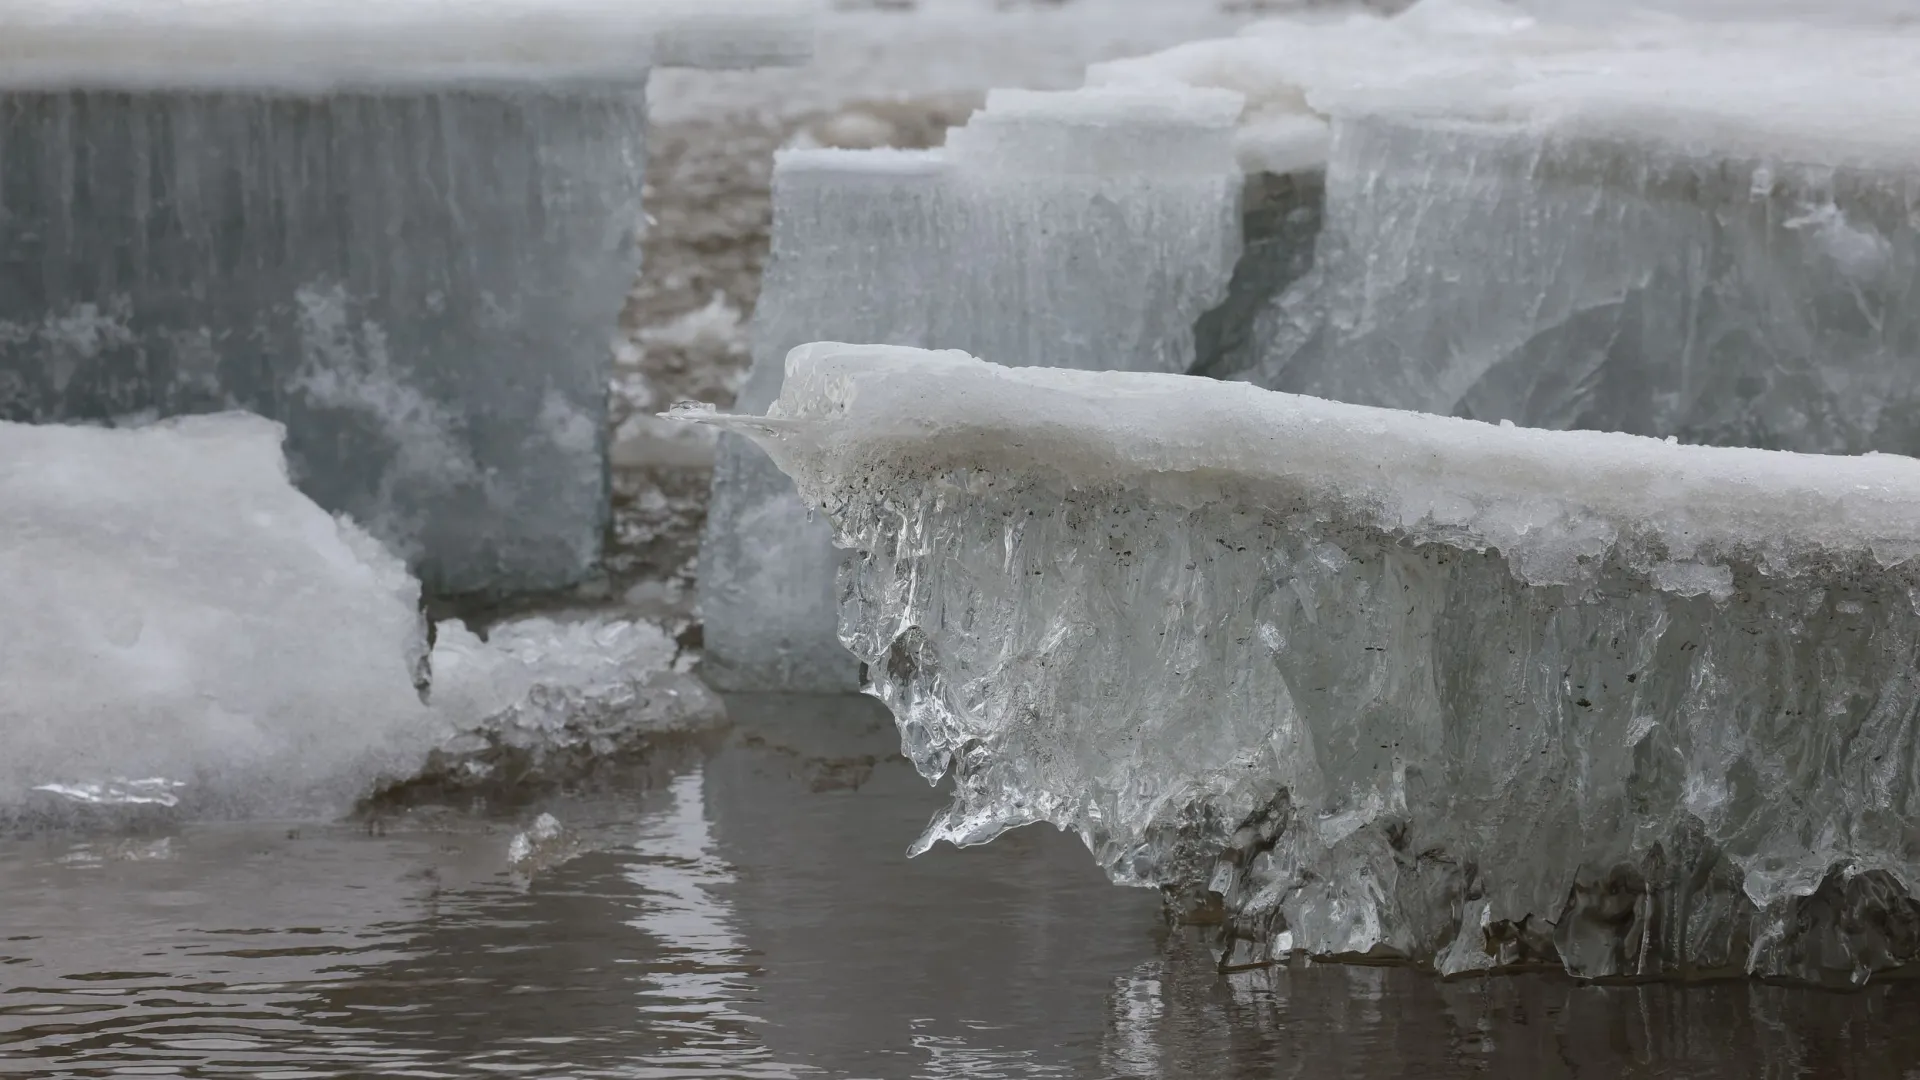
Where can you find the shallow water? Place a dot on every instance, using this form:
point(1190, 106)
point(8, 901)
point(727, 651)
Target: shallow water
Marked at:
point(752, 915)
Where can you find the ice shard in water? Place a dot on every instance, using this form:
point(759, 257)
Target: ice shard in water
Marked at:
point(404, 229)
point(1386, 683)
point(1094, 227)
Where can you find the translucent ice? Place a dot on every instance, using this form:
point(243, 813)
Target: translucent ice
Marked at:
point(173, 613)
point(1753, 302)
point(1389, 683)
point(1098, 225)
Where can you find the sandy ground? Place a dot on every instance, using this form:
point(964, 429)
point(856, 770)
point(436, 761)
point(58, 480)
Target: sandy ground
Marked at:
point(887, 73)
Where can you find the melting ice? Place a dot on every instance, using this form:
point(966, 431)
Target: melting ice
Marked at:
point(1389, 683)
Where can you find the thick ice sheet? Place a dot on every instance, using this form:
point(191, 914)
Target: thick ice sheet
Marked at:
point(170, 607)
point(1093, 227)
point(263, 44)
point(1474, 694)
point(1701, 228)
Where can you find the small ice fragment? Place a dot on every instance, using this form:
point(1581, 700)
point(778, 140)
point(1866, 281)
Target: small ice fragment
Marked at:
point(542, 846)
point(179, 625)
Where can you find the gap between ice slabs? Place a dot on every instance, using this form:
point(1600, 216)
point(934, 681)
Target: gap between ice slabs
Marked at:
point(1389, 683)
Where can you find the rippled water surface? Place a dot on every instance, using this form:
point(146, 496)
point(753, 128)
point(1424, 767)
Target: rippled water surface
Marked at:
point(752, 915)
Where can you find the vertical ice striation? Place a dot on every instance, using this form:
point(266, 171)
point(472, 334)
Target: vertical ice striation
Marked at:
point(406, 230)
point(1387, 683)
point(1095, 225)
point(423, 287)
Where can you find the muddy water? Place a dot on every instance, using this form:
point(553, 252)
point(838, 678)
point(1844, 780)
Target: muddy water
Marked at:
point(752, 915)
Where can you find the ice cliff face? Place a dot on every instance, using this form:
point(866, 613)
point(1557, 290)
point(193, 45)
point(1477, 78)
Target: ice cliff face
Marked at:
point(1385, 683)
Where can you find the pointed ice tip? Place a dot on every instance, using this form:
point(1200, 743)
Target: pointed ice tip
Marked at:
point(694, 411)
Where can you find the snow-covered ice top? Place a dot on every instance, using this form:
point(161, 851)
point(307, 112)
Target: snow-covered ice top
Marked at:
point(266, 44)
point(1770, 88)
point(1555, 503)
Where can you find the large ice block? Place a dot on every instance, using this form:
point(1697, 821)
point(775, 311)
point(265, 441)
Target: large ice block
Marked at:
point(1104, 222)
point(1750, 301)
point(404, 229)
point(1389, 683)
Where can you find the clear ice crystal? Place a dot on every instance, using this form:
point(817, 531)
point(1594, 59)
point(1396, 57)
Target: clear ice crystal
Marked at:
point(1385, 683)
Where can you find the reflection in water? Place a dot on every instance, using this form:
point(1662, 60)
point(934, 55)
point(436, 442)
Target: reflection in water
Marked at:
point(755, 917)
point(694, 996)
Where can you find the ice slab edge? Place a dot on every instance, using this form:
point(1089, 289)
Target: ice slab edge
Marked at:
point(1096, 227)
point(1385, 683)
